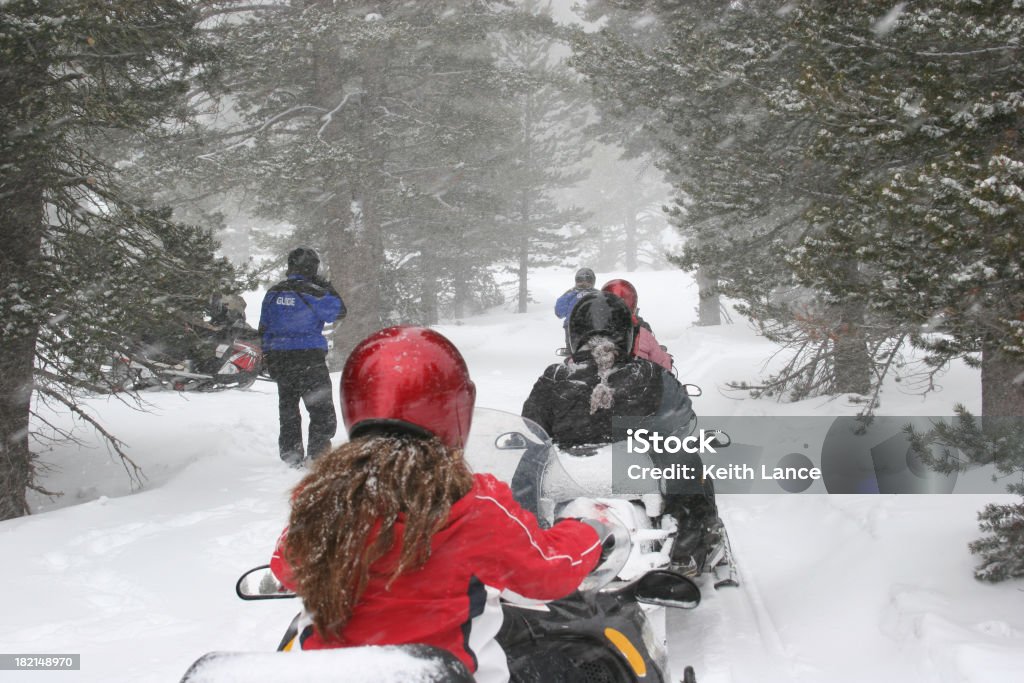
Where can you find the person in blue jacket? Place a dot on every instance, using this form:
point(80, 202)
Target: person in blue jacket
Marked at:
point(585, 280)
point(295, 352)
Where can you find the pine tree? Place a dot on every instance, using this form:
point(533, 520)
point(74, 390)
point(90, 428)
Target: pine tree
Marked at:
point(1002, 552)
point(850, 170)
point(85, 269)
point(709, 82)
point(383, 137)
point(546, 147)
point(624, 197)
point(999, 441)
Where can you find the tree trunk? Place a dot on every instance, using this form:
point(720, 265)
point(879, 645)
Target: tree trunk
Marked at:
point(428, 289)
point(631, 246)
point(852, 362)
point(709, 306)
point(21, 221)
point(357, 259)
point(524, 253)
point(524, 267)
point(1002, 383)
point(460, 295)
point(357, 255)
point(15, 394)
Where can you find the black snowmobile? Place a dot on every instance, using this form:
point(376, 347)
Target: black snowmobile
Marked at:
point(608, 631)
point(591, 636)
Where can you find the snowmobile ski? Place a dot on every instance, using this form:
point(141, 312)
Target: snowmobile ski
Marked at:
point(724, 569)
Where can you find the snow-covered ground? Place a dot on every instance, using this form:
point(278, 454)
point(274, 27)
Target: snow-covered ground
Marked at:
point(835, 588)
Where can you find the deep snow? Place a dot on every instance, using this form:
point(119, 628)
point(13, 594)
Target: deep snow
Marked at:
point(835, 588)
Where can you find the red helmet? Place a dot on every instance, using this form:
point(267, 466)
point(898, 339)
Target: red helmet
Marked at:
point(411, 378)
point(625, 290)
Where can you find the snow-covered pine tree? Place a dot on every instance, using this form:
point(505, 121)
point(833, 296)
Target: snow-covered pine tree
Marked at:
point(1002, 550)
point(383, 135)
point(921, 107)
point(918, 109)
point(710, 81)
point(998, 441)
point(624, 197)
point(852, 172)
point(548, 112)
point(85, 269)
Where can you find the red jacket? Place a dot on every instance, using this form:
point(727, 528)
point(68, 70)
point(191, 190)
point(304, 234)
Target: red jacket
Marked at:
point(489, 541)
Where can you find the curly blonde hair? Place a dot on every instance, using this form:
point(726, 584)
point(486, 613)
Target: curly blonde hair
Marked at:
point(344, 512)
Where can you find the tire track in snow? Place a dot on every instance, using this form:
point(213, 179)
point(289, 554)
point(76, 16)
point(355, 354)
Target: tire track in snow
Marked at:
point(731, 637)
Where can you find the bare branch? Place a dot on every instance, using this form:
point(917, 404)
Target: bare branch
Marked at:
point(135, 473)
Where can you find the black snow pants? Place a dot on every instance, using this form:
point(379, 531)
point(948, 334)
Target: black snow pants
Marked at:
point(302, 375)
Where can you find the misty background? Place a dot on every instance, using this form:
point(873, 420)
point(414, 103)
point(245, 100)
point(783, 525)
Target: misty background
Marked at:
point(844, 177)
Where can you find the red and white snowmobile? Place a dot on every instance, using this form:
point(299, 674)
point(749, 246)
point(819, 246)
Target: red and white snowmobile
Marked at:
point(234, 362)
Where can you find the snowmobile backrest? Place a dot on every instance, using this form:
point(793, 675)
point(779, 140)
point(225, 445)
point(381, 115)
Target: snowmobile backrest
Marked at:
point(368, 664)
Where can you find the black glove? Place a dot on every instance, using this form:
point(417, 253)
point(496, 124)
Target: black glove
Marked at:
point(604, 534)
point(325, 283)
point(607, 546)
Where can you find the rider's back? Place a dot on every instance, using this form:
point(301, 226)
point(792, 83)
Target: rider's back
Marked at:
point(561, 399)
point(488, 541)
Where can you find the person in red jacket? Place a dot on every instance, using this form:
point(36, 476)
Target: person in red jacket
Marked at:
point(392, 540)
point(644, 343)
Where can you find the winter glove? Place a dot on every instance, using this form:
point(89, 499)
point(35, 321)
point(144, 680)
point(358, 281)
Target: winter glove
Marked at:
point(325, 283)
point(604, 534)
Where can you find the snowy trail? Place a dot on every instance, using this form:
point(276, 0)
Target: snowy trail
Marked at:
point(730, 620)
point(835, 589)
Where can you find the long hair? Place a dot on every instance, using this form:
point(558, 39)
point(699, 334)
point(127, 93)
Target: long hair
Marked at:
point(605, 353)
point(344, 512)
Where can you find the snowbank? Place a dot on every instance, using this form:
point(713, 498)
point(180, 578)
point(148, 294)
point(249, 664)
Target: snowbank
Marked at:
point(836, 588)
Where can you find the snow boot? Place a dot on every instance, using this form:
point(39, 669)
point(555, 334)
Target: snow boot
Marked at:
point(699, 540)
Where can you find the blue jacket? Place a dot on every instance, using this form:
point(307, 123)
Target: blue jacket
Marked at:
point(294, 313)
point(566, 302)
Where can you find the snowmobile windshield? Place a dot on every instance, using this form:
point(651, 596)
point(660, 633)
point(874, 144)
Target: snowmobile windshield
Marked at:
point(519, 452)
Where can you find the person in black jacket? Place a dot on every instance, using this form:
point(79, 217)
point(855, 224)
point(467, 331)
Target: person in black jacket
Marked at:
point(291, 327)
point(576, 401)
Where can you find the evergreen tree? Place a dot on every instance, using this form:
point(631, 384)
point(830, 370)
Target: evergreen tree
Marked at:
point(999, 441)
point(85, 269)
point(547, 144)
point(911, 108)
point(940, 207)
point(624, 198)
point(851, 172)
point(709, 82)
point(378, 134)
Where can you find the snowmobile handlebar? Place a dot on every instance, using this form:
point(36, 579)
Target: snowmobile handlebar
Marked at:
point(616, 542)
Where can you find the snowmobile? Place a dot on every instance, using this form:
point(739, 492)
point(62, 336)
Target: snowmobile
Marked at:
point(230, 358)
point(609, 630)
point(645, 513)
point(595, 635)
point(653, 528)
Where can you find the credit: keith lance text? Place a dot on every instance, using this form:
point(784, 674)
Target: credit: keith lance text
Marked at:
point(723, 472)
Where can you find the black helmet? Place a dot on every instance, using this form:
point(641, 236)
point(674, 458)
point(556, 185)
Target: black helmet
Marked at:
point(585, 276)
point(303, 261)
point(601, 314)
